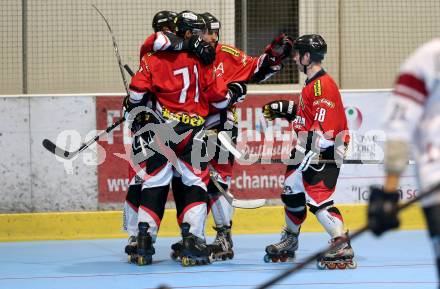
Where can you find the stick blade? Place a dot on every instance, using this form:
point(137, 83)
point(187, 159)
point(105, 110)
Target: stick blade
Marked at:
point(50, 146)
point(248, 204)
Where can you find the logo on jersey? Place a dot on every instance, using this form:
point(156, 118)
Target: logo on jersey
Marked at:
point(325, 101)
point(317, 88)
point(219, 70)
point(354, 117)
point(301, 102)
point(244, 60)
point(230, 50)
point(193, 120)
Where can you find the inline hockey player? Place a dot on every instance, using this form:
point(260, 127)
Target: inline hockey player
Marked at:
point(174, 135)
point(233, 65)
point(320, 122)
point(164, 28)
point(412, 117)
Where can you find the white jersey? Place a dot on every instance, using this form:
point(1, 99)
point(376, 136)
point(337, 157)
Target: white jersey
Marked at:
point(414, 112)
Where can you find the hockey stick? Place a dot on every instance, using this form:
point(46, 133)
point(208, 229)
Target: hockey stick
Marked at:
point(236, 203)
point(345, 161)
point(342, 240)
point(115, 46)
point(128, 69)
point(245, 158)
point(50, 146)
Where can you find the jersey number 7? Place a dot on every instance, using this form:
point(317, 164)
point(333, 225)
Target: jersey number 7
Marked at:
point(186, 83)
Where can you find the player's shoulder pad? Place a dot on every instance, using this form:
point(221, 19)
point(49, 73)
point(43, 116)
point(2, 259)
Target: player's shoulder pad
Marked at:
point(317, 88)
point(231, 50)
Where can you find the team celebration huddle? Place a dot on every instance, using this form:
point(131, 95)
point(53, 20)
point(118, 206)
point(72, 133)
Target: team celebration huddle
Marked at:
point(181, 111)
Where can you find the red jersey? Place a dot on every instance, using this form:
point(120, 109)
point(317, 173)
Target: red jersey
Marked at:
point(321, 109)
point(233, 65)
point(180, 83)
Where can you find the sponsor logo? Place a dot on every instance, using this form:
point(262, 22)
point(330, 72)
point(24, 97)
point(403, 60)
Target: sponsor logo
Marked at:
point(354, 117)
point(317, 88)
point(325, 101)
point(193, 120)
point(230, 50)
point(301, 102)
point(244, 60)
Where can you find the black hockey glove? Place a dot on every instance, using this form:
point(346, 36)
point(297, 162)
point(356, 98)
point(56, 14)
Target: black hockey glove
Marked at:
point(237, 91)
point(202, 49)
point(136, 122)
point(279, 49)
point(382, 211)
point(280, 109)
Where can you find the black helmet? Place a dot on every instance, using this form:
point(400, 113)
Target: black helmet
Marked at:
point(212, 23)
point(188, 20)
point(312, 43)
point(162, 19)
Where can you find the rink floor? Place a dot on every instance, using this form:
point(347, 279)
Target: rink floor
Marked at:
point(398, 260)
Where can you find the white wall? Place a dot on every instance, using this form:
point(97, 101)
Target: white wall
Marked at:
point(32, 179)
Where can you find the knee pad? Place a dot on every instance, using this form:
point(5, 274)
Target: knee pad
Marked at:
point(134, 194)
point(294, 200)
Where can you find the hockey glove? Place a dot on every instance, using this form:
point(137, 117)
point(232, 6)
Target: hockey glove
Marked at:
point(382, 211)
point(280, 109)
point(237, 92)
point(279, 49)
point(136, 122)
point(204, 51)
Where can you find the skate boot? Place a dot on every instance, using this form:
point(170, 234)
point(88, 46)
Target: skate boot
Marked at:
point(194, 250)
point(131, 247)
point(221, 248)
point(176, 250)
point(283, 250)
point(340, 257)
point(145, 250)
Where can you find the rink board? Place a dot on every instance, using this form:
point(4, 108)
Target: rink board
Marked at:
point(107, 224)
point(33, 180)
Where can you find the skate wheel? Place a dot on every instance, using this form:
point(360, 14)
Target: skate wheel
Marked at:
point(185, 261)
point(130, 259)
point(352, 265)
point(320, 265)
point(283, 258)
point(341, 265)
point(331, 266)
point(274, 259)
point(141, 260)
point(266, 258)
point(192, 262)
point(224, 257)
point(231, 256)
